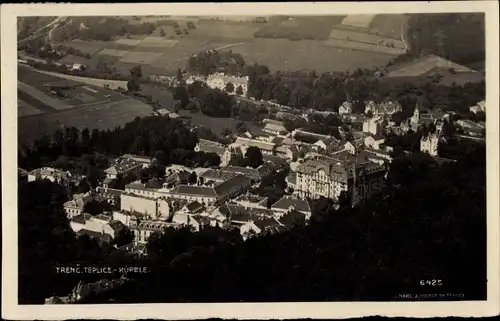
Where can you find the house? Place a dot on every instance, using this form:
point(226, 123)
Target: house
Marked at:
point(300, 132)
point(163, 112)
point(286, 203)
point(144, 230)
point(150, 206)
point(76, 205)
point(259, 226)
point(430, 144)
point(145, 161)
point(220, 81)
point(102, 225)
point(275, 129)
point(419, 119)
point(374, 126)
point(112, 196)
point(254, 174)
point(375, 156)
point(176, 177)
point(479, 107)
point(221, 192)
point(354, 146)
point(209, 146)
point(123, 167)
point(291, 181)
point(251, 201)
point(129, 219)
point(293, 218)
point(374, 141)
point(345, 108)
point(286, 151)
point(329, 178)
point(214, 175)
point(52, 174)
point(383, 109)
point(101, 237)
point(265, 147)
point(196, 222)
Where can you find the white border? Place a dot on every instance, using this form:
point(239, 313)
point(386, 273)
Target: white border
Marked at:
point(10, 309)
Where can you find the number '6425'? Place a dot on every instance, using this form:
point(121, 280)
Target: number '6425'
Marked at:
point(432, 282)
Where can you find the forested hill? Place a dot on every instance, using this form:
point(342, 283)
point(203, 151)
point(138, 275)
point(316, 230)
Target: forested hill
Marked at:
point(459, 37)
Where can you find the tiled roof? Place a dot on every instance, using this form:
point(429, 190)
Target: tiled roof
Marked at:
point(116, 225)
point(201, 191)
point(103, 217)
point(275, 127)
point(213, 174)
point(110, 192)
point(231, 184)
point(255, 143)
point(123, 166)
point(156, 226)
point(211, 147)
point(100, 236)
point(266, 223)
point(194, 207)
point(292, 217)
point(287, 202)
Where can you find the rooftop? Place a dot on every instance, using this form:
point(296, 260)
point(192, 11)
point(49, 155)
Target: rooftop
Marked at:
point(287, 202)
point(100, 236)
point(263, 145)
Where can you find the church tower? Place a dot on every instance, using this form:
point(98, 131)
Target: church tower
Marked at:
point(416, 114)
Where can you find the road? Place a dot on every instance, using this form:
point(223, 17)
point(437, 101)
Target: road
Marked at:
point(53, 24)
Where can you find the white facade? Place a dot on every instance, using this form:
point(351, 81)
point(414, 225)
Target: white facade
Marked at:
point(430, 145)
point(52, 174)
point(345, 108)
point(220, 80)
point(149, 206)
point(374, 142)
point(373, 126)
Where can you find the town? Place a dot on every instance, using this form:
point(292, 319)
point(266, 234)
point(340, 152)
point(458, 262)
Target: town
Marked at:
point(307, 151)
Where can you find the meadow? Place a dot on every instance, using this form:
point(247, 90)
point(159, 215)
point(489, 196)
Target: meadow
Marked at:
point(163, 55)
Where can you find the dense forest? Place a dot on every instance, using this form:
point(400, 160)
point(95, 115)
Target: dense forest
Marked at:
point(429, 225)
point(459, 37)
point(167, 140)
point(208, 62)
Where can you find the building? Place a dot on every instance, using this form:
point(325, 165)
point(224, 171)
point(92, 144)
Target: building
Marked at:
point(150, 206)
point(329, 178)
point(286, 151)
point(374, 126)
point(100, 226)
point(219, 193)
point(254, 174)
point(430, 144)
point(144, 229)
point(145, 161)
point(374, 141)
point(254, 227)
point(111, 195)
point(479, 107)
point(251, 201)
point(287, 203)
point(345, 108)
point(419, 119)
point(275, 129)
point(52, 174)
point(209, 146)
point(264, 146)
point(123, 166)
point(220, 81)
point(76, 205)
point(384, 109)
point(216, 176)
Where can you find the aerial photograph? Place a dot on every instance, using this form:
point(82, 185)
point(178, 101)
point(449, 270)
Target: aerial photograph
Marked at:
point(273, 158)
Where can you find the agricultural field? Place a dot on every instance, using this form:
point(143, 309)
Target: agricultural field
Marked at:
point(160, 54)
point(364, 38)
point(363, 46)
point(282, 54)
point(95, 117)
point(26, 109)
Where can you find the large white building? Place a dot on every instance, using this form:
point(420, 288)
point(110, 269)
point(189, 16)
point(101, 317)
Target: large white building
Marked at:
point(384, 109)
point(329, 178)
point(52, 174)
point(220, 81)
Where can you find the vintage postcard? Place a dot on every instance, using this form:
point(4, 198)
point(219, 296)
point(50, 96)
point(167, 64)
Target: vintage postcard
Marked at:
point(250, 160)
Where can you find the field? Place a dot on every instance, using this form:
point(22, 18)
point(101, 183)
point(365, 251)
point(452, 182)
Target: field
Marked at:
point(282, 54)
point(163, 55)
point(423, 65)
point(358, 20)
point(96, 117)
point(86, 105)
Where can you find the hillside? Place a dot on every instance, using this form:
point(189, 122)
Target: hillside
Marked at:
point(456, 37)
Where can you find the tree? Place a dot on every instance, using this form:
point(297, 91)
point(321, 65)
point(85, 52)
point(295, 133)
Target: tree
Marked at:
point(136, 72)
point(162, 32)
point(239, 90)
point(193, 178)
point(124, 236)
point(254, 157)
point(229, 87)
point(133, 85)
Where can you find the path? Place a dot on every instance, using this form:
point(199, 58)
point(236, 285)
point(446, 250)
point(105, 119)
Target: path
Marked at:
point(112, 84)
